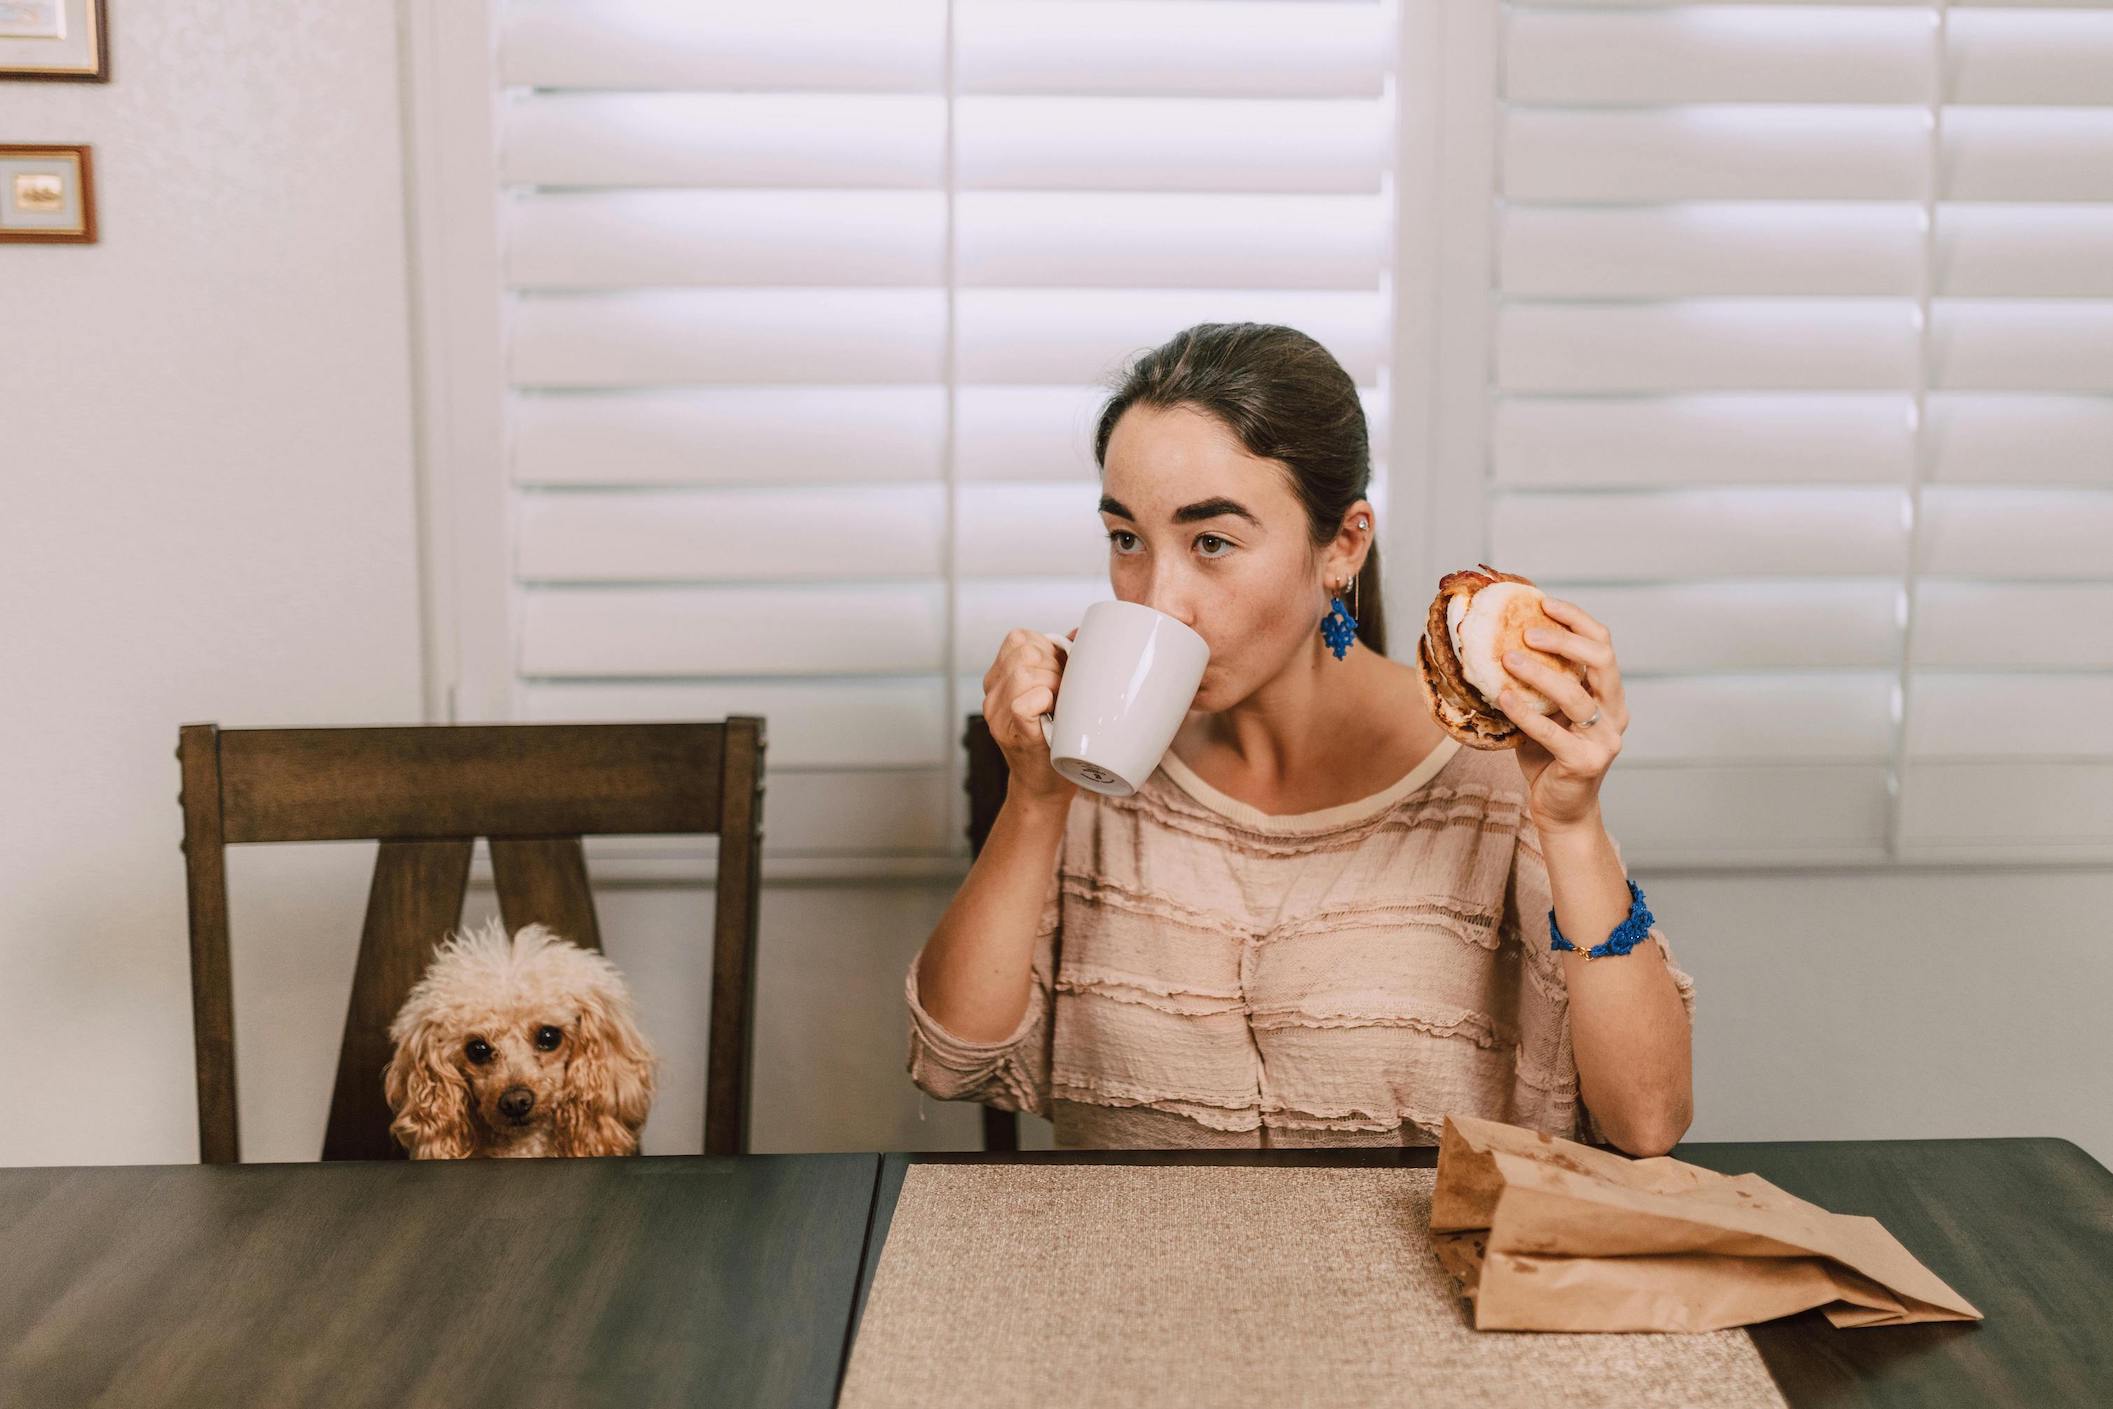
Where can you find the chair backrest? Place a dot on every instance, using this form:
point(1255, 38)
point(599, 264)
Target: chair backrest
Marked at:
point(426, 793)
point(987, 774)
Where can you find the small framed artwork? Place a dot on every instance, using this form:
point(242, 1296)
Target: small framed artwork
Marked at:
point(54, 39)
point(47, 195)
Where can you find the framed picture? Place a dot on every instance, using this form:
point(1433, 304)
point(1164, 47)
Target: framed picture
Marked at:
point(55, 39)
point(47, 195)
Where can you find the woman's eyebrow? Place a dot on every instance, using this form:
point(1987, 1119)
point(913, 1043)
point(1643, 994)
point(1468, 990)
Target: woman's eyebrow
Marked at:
point(1187, 513)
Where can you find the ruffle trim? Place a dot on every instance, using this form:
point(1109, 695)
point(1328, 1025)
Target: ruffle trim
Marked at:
point(1468, 923)
point(1096, 1090)
point(1464, 921)
point(1478, 1028)
point(1251, 1117)
point(1145, 993)
point(1115, 896)
point(1482, 1029)
point(1431, 810)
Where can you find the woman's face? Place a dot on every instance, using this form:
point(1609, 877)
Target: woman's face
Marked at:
point(1215, 537)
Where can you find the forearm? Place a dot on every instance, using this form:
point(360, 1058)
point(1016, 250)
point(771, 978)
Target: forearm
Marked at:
point(974, 973)
point(1628, 1026)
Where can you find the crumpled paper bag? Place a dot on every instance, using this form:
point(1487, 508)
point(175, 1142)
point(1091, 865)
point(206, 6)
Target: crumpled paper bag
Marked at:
point(1545, 1234)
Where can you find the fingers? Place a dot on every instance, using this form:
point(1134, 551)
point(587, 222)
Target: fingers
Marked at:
point(1596, 654)
point(1019, 690)
point(1022, 646)
point(1030, 705)
point(1582, 753)
point(1558, 685)
point(1577, 618)
point(1014, 695)
point(1582, 649)
point(1020, 687)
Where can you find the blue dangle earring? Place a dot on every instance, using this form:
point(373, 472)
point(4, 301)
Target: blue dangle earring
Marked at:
point(1339, 627)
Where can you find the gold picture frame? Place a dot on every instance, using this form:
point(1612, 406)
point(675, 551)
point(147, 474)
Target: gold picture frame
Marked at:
point(64, 41)
point(47, 194)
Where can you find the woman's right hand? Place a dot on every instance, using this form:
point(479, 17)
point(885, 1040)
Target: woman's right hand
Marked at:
point(1018, 689)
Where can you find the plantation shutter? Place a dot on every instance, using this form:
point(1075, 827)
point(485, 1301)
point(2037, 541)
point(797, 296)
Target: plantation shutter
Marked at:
point(806, 308)
point(1801, 379)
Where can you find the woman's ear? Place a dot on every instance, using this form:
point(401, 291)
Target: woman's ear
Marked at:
point(1353, 541)
point(430, 1099)
point(608, 1082)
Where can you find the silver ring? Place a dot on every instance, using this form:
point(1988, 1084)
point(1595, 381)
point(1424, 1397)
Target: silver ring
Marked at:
point(1587, 724)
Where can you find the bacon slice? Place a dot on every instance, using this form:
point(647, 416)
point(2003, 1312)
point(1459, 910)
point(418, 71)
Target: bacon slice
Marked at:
point(1458, 706)
point(1477, 728)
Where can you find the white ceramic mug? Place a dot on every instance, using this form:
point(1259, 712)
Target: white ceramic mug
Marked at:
point(1129, 680)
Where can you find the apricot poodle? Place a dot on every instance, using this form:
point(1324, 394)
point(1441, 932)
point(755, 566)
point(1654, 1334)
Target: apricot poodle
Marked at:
point(518, 1048)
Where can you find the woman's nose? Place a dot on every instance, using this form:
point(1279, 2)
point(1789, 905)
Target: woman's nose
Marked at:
point(1171, 597)
point(1173, 608)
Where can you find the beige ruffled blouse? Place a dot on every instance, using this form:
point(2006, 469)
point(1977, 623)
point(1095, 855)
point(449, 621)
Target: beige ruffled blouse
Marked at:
point(1206, 974)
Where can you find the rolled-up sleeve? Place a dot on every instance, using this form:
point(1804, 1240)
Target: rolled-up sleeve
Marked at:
point(1012, 1073)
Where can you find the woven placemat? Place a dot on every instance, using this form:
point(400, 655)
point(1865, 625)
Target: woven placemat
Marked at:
point(1018, 1284)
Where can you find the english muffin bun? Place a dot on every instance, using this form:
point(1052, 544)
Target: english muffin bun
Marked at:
point(1476, 618)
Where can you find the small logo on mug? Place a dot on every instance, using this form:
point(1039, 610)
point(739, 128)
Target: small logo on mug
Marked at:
point(1095, 775)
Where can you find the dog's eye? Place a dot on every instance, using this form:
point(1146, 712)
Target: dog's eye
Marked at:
point(477, 1050)
point(548, 1038)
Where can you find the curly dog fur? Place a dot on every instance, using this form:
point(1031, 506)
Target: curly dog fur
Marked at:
point(518, 1048)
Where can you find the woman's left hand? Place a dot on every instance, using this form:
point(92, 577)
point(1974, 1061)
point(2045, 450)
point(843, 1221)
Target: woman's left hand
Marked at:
point(1563, 764)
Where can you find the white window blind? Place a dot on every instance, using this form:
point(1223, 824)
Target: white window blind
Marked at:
point(806, 305)
point(1800, 375)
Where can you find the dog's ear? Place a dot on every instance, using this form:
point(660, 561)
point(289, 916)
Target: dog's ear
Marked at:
point(608, 1082)
point(430, 1098)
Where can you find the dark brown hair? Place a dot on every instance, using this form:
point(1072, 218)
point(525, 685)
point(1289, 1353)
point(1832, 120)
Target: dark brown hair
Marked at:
point(1287, 399)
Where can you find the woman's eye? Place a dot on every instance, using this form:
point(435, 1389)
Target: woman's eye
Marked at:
point(548, 1038)
point(478, 1050)
point(1125, 543)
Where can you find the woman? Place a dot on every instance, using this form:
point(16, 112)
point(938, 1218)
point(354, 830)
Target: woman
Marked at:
point(1321, 921)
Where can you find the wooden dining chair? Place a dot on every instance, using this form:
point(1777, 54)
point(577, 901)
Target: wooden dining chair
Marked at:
point(426, 793)
point(987, 774)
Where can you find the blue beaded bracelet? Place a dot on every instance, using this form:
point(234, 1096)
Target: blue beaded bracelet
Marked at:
point(1626, 935)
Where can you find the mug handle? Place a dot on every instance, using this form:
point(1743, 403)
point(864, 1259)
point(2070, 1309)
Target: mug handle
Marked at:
point(1049, 719)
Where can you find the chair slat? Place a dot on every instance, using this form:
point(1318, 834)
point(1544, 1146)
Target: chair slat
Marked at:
point(543, 881)
point(212, 975)
point(440, 781)
point(1001, 1129)
point(740, 825)
point(415, 900)
point(986, 782)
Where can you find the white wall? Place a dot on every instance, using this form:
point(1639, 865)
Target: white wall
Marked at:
point(1949, 1003)
point(208, 512)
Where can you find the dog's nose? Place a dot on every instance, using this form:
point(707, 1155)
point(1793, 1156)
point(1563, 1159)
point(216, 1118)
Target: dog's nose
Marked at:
point(516, 1102)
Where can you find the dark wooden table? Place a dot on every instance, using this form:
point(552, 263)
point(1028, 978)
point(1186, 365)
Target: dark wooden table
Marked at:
point(721, 1280)
point(735, 1281)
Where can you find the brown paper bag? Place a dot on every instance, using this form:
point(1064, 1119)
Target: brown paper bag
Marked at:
point(1545, 1234)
